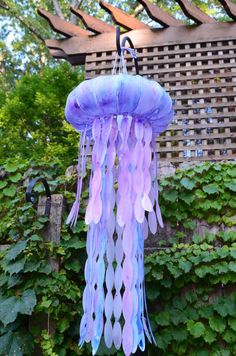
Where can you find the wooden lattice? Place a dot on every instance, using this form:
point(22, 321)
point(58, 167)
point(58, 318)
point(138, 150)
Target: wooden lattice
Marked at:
point(196, 65)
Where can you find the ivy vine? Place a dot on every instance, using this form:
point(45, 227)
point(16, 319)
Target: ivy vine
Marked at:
point(191, 287)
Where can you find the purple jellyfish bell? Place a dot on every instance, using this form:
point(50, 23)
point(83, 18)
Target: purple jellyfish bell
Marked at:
point(120, 115)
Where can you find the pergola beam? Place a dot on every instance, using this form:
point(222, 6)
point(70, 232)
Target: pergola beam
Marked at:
point(159, 15)
point(229, 7)
point(81, 46)
point(194, 13)
point(63, 27)
point(91, 23)
point(121, 18)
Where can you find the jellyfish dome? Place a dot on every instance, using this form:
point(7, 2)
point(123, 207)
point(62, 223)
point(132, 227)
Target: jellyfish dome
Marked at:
point(120, 116)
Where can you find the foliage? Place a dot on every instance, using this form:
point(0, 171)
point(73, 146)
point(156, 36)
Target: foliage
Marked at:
point(32, 123)
point(190, 286)
point(204, 192)
point(27, 281)
point(195, 299)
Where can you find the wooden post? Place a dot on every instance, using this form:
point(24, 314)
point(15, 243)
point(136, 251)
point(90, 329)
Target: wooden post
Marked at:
point(52, 234)
point(52, 231)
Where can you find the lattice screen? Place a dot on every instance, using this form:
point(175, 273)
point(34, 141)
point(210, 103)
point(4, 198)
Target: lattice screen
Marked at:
point(201, 79)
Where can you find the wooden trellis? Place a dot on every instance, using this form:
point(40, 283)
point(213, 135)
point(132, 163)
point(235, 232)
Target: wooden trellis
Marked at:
point(195, 63)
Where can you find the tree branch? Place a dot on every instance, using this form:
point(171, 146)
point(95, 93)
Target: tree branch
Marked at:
point(29, 27)
point(21, 19)
point(76, 4)
point(4, 6)
point(58, 9)
point(138, 10)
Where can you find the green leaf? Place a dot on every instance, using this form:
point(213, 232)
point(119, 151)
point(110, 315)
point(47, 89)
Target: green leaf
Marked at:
point(170, 195)
point(10, 192)
point(188, 224)
point(217, 324)
point(164, 339)
point(43, 219)
point(75, 243)
point(200, 168)
point(11, 167)
point(35, 238)
point(15, 347)
point(152, 293)
point(231, 186)
point(188, 198)
point(232, 323)
point(45, 268)
point(10, 307)
point(179, 334)
point(199, 194)
point(5, 341)
point(31, 266)
point(15, 178)
point(14, 251)
point(233, 253)
point(3, 184)
point(27, 302)
point(211, 188)
point(185, 265)
point(73, 265)
point(232, 266)
point(14, 267)
point(196, 329)
point(163, 318)
point(177, 316)
point(46, 303)
point(225, 307)
point(229, 336)
point(8, 310)
point(209, 336)
point(63, 325)
point(232, 172)
point(187, 183)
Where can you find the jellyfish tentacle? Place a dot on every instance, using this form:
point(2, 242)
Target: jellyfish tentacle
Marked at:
point(117, 332)
point(140, 290)
point(134, 289)
point(99, 292)
point(96, 183)
point(124, 206)
point(110, 227)
point(146, 202)
point(158, 210)
point(87, 294)
point(134, 251)
point(138, 177)
point(73, 216)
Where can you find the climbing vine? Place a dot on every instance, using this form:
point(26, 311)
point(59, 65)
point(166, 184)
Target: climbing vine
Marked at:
point(190, 282)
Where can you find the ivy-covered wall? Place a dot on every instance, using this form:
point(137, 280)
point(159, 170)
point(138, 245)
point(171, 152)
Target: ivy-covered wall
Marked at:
point(191, 283)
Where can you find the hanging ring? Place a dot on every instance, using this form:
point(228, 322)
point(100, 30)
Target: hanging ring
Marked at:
point(121, 48)
point(30, 195)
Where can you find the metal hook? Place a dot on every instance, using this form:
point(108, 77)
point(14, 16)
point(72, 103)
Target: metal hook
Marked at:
point(30, 195)
point(122, 47)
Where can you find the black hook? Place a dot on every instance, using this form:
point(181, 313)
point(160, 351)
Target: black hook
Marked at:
point(30, 195)
point(119, 47)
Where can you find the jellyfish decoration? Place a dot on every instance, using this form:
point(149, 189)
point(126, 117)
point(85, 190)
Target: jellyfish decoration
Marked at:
point(120, 116)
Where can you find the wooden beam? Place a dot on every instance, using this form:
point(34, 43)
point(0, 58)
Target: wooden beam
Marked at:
point(91, 23)
point(121, 18)
point(194, 13)
point(229, 7)
point(81, 46)
point(63, 27)
point(73, 60)
point(159, 15)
